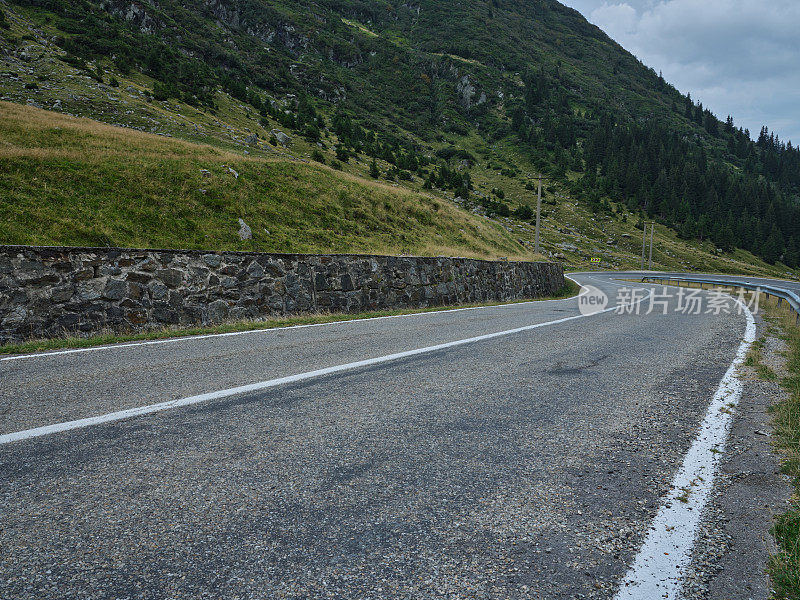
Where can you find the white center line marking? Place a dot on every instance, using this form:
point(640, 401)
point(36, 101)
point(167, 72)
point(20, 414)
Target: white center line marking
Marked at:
point(657, 572)
point(255, 387)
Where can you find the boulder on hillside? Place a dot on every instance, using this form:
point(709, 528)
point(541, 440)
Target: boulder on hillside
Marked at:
point(245, 233)
point(282, 138)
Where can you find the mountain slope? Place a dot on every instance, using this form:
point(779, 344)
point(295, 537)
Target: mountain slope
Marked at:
point(70, 181)
point(78, 182)
point(469, 99)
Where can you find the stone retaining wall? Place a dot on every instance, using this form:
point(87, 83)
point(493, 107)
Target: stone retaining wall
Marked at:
point(46, 292)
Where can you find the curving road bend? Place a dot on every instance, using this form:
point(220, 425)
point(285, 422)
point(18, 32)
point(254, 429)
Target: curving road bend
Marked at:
point(529, 463)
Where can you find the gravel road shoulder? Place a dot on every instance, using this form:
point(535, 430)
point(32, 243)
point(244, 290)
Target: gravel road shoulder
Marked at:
point(735, 542)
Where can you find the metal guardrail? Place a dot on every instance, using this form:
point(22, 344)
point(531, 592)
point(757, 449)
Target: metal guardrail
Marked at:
point(791, 298)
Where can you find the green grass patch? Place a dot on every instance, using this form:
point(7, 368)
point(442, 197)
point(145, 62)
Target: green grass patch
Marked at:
point(76, 182)
point(569, 290)
point(784, 566)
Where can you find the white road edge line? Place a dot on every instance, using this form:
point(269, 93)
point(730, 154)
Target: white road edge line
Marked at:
point(658, 569)
point(255, 387)
point(189, 338)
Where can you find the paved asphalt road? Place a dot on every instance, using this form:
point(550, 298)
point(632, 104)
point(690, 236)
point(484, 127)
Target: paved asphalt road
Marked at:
point(523, 466)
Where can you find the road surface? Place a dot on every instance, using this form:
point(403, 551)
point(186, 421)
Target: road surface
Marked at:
point(530, 463)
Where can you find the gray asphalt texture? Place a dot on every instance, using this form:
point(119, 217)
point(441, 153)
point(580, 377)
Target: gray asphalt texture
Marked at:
point(524, 466)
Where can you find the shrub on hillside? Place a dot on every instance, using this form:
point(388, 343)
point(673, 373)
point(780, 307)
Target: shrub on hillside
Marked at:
point(524, 212)
point(342, 154)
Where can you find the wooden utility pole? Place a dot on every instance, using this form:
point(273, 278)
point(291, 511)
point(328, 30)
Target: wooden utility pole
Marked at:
point(538, 213)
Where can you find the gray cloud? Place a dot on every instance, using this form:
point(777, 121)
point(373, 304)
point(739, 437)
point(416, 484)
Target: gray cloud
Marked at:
point(738, 57)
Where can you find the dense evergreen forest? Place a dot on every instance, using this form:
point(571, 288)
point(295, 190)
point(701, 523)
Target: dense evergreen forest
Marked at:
point(395, 80)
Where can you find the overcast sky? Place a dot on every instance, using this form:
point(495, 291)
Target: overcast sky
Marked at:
point(737, 57)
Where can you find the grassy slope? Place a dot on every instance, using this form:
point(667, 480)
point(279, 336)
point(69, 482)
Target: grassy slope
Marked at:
point(297, 202)
point(75, 181)
point(78, 182)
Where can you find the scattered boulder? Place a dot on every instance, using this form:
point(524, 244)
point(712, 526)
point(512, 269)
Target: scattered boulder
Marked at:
point(252, 140)
point(245, 233)
point(233, 172)
point(282, 138)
